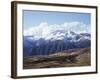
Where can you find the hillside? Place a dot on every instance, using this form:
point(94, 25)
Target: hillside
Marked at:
point(65, 58)
point(57, 41)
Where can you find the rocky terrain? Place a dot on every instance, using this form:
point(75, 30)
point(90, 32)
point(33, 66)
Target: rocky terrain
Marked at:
point(66, 58)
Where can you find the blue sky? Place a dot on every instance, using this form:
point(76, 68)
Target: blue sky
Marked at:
point(34, 18)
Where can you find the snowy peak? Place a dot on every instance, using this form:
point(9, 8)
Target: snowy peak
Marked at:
point(67, 35)
point(62, 35)
point(55, 42)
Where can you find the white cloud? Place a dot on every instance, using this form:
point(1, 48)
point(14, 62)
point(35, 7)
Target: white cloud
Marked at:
point(43, 29)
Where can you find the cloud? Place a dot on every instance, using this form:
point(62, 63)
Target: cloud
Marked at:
point(44, 29)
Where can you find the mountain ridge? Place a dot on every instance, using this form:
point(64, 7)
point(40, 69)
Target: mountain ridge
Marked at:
point(57, 41)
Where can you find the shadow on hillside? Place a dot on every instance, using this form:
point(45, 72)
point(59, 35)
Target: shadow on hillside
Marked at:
point(67, 58)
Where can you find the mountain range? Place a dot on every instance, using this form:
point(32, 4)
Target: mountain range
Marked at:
point(56, 41)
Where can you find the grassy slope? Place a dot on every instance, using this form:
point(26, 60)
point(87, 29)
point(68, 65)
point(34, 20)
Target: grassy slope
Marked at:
point(83, 59)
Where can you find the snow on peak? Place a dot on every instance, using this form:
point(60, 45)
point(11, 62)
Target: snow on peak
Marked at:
point(55, 31)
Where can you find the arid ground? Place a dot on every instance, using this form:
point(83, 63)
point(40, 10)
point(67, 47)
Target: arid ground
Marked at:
point(66, 58)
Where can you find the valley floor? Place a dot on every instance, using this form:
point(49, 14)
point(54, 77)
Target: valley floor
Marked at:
point(68, 58)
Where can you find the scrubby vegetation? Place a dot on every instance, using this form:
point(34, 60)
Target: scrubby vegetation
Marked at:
point(66, 58)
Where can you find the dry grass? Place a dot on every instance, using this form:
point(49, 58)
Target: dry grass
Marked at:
point(83, 59)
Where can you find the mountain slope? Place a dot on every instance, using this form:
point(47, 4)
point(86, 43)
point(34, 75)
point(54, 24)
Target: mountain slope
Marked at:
point(59, 59)
point(56, 41)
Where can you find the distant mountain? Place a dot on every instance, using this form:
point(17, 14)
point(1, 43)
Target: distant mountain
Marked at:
point(56, 41)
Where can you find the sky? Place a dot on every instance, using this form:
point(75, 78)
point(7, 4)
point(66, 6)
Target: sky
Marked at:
point(34, 18)
point(39, 22)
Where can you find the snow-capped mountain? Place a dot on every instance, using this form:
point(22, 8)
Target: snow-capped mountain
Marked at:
point(56, 41)
point(62, 35)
